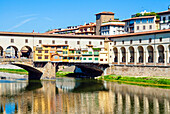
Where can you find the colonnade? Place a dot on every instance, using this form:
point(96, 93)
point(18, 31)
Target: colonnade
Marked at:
point(142, 55)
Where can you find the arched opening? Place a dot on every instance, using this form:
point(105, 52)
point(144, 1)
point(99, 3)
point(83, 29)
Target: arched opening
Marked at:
point(132, 55)
point(1, 52)
point(161, 56)
point(115, 54)
point(123, 54)
point(11, 52)
point(26, 52)
point(140, 54)
point(150, 54)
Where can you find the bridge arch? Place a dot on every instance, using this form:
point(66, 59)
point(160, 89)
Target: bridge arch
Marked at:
point(11, 52)
point(26, 51)
point(33, 73)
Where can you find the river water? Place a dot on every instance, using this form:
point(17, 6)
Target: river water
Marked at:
point(81, 96)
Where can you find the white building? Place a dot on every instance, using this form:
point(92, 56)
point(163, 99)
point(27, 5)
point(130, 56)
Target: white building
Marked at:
point(165, 19)
point(112, 28)
point(141, 24)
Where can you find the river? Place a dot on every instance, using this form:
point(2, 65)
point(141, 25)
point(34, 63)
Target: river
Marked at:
point(80, 96)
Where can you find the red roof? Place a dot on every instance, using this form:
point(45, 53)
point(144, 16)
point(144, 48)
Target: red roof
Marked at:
point(106, 13)
point(164, 12)
point(113, 24)
point(143, 17)
point(140, 33)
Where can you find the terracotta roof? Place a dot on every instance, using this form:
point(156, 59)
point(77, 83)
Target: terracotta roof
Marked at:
point(72, 49)
point(143, 17)
point(113, 24)
point(140, 33)
point(86, 26)
point(61, 30)
point(164, 12)
point(105, 12)
point(51, 35)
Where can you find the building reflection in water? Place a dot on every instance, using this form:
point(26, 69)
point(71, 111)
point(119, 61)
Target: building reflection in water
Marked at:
point(82, 97)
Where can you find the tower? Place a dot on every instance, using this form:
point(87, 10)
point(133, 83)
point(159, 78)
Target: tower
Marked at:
point(102, 17)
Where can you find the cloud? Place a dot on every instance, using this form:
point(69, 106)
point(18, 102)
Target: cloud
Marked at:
point(21, 23)
point(47, 18)
point(29, 15)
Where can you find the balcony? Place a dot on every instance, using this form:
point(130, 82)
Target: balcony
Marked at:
point(87, 54)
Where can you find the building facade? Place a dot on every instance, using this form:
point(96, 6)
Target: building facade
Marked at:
point(112, 28)
point(165, 19)
point(142, 49)
point(141, 24)
point(102, 17)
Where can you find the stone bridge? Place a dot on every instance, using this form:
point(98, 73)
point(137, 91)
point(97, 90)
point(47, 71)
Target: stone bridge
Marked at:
point(47, 70)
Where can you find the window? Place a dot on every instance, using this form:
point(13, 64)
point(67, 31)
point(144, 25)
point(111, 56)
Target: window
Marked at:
point(40, 41)
point(46, 57)
point(90, 53)
point(39, 51)
point(110, 56)
point(132, 22)
point(110, 49)
point(106, 59)
point(84, 58)
point(169, 19)
point(46, 51)
point(150, 26)
point(110, 43)
point(52, 47)
point(150, 40)
point(144, 20)
point(140, 40)
point(100, 43)
point(164, 19)
point(66, 42)
point(39, 57)
point(12, 40)
point(123, 42)
point(131, 41)
point(143, 27)
point(55, 57)
point(150, 20)
point(137, 27)
point(89, 42)
point(138, 21)
point(90, 58)
point(96, 59)
point(26, 40)
point(65, 52)
point(78, 42)
point(53, 42)
point(114, 42)
point(101, 59)
point(160, 39)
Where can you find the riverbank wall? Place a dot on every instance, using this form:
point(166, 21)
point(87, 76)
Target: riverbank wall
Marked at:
point(139, 71)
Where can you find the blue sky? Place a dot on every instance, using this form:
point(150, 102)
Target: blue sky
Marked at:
point(41, 15)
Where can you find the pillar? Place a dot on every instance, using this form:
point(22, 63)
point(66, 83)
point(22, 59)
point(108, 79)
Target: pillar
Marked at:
point(126, 57)
point(120, 103)
point(128, 104)
point(144, 57)
point(49, 71)
point(166, 57)
point(135, 56)
point(4, 53)
point(155, 56)
point(118, 57)
point(136, 104)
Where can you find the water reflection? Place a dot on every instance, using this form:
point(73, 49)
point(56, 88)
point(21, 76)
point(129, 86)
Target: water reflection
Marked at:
point(75, 96)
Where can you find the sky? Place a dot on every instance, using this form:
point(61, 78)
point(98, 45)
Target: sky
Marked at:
point(42, 15)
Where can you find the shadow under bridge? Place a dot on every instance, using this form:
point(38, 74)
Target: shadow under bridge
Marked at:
point(33, 73)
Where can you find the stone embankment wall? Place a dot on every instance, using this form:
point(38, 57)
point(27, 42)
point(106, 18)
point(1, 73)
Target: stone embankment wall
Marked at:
point(138, 71)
